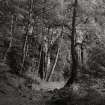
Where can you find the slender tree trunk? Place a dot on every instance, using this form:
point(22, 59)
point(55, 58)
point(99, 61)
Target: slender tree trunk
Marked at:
point(47, 58)
point(56, 59)
point(53, 68)
point(24, 49)
point(28, 31)
point(11, 37)
point(43, 60)
point(79, 60)
point(73, 77)
point(41, 63)
point(44, 49)
point(48, 64)
point(82, 60)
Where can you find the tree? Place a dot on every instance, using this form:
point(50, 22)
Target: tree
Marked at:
point(73, 51)
point(56, 59)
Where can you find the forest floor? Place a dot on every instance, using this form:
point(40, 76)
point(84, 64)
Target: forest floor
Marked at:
point(12, 95)
point(46, 96)
point(14, 92)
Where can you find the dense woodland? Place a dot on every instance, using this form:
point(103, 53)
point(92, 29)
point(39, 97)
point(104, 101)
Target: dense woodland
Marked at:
point(52, 52)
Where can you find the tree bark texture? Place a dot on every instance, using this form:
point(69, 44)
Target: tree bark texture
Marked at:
point(73, 76)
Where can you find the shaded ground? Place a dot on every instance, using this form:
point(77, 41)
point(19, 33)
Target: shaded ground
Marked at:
point(69, 96)
point(17, 91)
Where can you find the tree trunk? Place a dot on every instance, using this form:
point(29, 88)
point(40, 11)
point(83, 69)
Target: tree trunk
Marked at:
point(41, 63)
point(28, 31)
point(79, 59)
point(11, 37)
point(47, 57)
point(73, 77)
point(53, 68)
point(24, 49)
point(48, 64)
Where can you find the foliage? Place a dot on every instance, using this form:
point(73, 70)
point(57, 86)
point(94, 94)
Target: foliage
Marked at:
point(42, 37)
point(14, 60)
point(45, 20)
